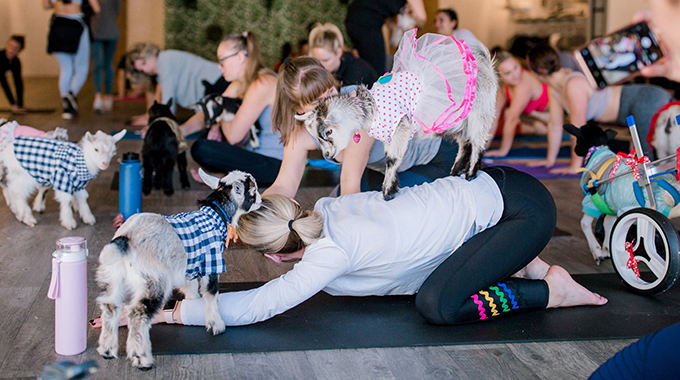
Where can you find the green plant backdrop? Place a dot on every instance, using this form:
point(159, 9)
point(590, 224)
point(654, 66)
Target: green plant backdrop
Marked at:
point(194, 25)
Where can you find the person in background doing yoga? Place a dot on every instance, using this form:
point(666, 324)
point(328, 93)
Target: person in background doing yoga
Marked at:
point(460, 262)
point(524, 94)
point(9, 61)
point(583, 103)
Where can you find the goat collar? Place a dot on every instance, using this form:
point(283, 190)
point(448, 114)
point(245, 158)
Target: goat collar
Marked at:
point(223, 215)
point(592, 150)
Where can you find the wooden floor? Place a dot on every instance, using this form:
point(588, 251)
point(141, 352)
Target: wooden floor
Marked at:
point(27, 322)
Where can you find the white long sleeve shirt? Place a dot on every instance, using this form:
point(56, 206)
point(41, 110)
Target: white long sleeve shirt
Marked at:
point(371, 247)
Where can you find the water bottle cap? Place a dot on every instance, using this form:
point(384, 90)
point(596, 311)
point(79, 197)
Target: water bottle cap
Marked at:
point(130, 156)
point(72, 248)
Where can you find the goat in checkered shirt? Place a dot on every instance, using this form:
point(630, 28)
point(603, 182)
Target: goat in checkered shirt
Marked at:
point(30, 162)
point(151, 254)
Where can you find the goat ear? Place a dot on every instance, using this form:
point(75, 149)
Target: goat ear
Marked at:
point(572, 130)
point(208, 179)
point(304, 116)
point(88, 136)
point(610, 134)
point(119, 136)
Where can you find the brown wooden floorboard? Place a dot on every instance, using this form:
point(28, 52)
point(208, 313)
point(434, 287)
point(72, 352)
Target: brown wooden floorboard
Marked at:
point(26, 326)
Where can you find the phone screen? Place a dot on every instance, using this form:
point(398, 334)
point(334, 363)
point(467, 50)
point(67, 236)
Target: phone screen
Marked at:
point(616, 57)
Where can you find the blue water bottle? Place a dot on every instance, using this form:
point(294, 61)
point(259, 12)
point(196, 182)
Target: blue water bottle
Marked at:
point(130, 190)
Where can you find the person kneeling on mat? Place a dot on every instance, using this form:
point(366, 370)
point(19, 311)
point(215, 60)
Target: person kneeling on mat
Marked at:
point(457, 262)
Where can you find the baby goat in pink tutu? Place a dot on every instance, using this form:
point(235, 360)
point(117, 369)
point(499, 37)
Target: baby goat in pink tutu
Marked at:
point(438, 86)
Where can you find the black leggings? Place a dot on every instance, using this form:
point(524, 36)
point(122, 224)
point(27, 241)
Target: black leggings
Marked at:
point(474, 283)
point(220, 157)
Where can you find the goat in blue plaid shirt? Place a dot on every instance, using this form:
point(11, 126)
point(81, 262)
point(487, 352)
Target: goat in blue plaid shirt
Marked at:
point(151, 254)
point(29, 163)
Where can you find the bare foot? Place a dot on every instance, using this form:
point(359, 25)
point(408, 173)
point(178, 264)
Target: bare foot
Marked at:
point(535, 270)
point(565, 292)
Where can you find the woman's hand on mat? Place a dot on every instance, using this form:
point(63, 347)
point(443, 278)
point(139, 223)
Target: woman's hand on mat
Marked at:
point(496, 153)
point(158, 318)
point(565, 170)
point(140, 120)
point(17, 110)
point(215, 134)
point(541, 163)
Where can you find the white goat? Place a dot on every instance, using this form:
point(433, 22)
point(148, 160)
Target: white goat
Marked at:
point(150, 255)
point(30, 163)
point(336, 118)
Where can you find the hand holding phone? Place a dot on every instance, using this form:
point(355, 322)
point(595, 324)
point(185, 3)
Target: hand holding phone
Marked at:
point(619, 56)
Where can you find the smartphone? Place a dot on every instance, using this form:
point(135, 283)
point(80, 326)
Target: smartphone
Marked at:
point(619, 56)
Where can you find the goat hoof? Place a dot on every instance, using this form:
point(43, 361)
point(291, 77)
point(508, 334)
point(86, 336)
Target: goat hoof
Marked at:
point(145, 368)
point(31, 222)
point(143, 363)
point(388, 196)
point(89, 220)
point(217, 328)
point(168, 192)
point(69, 225)
point(107, 354)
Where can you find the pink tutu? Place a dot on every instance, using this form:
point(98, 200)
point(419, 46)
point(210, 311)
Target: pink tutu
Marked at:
point(432, 80)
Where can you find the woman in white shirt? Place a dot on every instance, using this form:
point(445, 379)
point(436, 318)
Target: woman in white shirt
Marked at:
point(360, 245)
point(456, 243)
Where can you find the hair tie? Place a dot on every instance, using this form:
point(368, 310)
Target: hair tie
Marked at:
point(245, 34)
point(290, 225)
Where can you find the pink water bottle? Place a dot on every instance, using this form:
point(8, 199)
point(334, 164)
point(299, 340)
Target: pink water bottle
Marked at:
point(68, 288)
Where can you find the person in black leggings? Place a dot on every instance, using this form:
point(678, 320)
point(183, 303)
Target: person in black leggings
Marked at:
point(364, 22)
point(475, 282)
point(458, 263)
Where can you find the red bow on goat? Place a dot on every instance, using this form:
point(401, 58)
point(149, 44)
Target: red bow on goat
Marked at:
point(631, 160)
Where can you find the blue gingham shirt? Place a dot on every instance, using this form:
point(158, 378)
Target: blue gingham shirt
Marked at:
point(204, 236)
point(56, 163)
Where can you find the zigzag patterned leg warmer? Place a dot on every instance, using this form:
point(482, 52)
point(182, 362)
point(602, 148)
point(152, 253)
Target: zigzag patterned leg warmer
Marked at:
point(507, 297)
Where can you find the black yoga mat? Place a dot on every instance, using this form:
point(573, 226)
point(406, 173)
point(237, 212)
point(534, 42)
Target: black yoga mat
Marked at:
point(326, 322)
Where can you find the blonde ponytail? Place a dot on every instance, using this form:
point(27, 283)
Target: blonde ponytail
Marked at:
point(279, 226)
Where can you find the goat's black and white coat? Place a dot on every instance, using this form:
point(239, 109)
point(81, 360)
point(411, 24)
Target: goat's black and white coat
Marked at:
point(147, 259)
point(218, 108)
point(416, 101)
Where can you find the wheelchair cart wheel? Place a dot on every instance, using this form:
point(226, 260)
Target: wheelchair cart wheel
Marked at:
point(655, 246)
